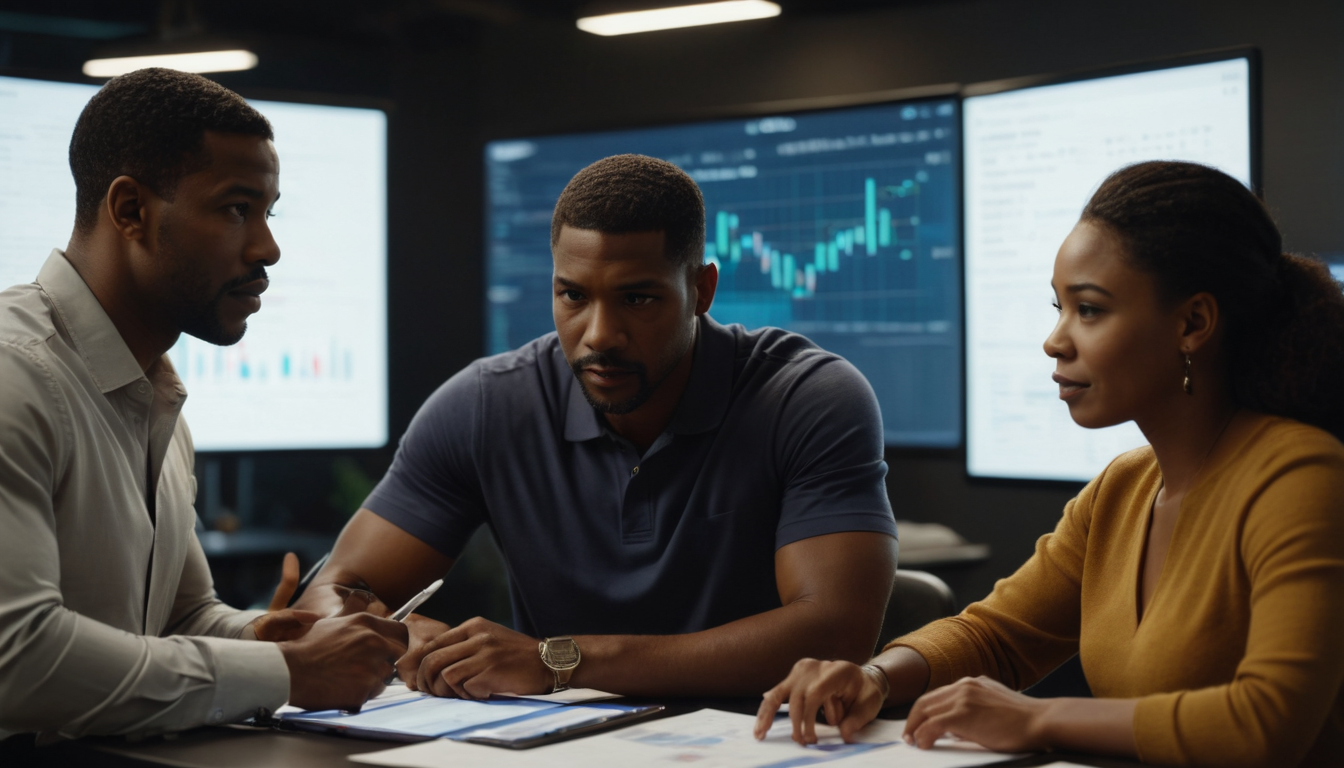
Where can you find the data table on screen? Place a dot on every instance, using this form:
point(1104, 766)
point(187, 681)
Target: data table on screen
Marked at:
point(311, 371)
point(841, 225)
point(1033, 157)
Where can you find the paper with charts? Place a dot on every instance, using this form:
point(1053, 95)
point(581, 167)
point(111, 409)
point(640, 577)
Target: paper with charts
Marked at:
point(707, 739)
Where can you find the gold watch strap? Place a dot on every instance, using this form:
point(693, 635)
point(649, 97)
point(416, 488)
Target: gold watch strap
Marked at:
point(562, 679)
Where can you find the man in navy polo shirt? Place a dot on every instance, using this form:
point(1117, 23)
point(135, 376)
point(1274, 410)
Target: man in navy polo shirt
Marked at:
point(685, 508)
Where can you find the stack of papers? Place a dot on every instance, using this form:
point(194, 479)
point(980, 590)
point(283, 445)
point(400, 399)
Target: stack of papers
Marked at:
point(707, 739)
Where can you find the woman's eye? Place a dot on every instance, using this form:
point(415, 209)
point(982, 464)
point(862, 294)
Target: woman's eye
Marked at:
point(1055, 304)
point(1088, 310)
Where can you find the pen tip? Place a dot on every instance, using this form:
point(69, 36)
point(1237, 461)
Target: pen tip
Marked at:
point(436, 584)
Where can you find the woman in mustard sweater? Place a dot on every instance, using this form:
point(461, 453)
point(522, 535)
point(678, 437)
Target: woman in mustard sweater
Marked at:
point(1200, 579)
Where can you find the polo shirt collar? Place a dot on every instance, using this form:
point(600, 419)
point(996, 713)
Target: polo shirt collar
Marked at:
point(95, 338)
point(705, 401)
point(703, 404)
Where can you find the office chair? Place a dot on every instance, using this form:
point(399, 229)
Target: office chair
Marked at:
point(917, 598)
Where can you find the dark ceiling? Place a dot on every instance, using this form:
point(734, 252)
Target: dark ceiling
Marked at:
point(326, 20)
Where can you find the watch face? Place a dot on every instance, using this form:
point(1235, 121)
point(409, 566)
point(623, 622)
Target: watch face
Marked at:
point(561, 653)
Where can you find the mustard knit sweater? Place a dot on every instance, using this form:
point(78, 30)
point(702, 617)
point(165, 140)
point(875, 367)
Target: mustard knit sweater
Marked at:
point(1239, 658)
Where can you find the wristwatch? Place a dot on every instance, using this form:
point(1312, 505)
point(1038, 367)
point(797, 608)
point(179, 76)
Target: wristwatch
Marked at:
point(560, 655)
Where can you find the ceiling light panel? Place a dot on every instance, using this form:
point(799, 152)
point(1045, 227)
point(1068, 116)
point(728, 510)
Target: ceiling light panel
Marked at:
point(677, 17)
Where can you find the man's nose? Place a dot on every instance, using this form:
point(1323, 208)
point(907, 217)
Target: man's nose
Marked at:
point(263, 247)
point(605, 329)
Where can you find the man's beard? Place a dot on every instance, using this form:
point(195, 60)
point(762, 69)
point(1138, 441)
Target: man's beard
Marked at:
point(191, 302)
point(621, 407)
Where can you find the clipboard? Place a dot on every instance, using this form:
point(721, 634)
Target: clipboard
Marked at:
point(555, 725)
point(513, 723)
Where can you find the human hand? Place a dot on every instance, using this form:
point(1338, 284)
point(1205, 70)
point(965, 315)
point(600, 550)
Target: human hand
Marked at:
point(981, 710)
point(849, 695)
point(331, 599)
point(341, 662)
point(289, 582)
point(476, 659)
point(280, 623)
point(279, 626)
point(423, 632)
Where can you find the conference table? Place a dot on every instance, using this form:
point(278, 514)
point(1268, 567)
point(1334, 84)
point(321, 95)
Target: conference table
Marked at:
point(228, 746)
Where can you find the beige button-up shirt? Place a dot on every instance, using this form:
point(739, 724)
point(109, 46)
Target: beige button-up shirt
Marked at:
point(108, 619)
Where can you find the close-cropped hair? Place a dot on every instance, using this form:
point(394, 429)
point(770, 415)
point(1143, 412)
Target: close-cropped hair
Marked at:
point(150, 125)
point(635, 193)
point(1195, 229)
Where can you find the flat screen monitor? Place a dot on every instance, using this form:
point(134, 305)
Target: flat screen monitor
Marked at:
point(312, 370)
point(1034, 153)
point(1335, 261)
point(842, 225)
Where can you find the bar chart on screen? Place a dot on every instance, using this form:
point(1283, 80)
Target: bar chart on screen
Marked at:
point(311, 371)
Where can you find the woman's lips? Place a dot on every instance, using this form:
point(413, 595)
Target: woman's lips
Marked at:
point(1068, 387)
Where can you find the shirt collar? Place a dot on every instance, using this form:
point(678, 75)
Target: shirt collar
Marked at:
point(95, 338)
point(703, 404)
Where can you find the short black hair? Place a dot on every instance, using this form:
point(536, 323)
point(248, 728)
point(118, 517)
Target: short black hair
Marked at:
point(150, 125)
point(635, 193)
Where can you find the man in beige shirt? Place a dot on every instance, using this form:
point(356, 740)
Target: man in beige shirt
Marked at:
point(108, 619)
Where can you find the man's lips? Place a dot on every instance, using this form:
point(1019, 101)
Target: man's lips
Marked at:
point(600, 375)
point(253, 288)
point(249, 294)
point(1068, 387)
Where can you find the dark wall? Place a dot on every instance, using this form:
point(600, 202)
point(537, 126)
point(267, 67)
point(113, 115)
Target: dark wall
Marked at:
point(531, 78)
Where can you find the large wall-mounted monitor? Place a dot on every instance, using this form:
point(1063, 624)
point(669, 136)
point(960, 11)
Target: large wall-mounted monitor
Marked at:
point(841, 224)
point(1034, 152)
point(311, 372)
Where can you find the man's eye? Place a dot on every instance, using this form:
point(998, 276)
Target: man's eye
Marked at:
point(571, 295)
point(638, 299)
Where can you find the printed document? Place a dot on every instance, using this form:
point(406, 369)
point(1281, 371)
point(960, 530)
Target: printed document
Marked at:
point(708, 739)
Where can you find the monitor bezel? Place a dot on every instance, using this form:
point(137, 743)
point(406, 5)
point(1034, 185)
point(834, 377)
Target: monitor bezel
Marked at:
point(1253, 57)
point(387, 107)
point(938, 92)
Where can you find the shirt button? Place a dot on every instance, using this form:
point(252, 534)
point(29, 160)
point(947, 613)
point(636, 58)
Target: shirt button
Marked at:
point(142, 387)
point(634, 471)
point(217, 717)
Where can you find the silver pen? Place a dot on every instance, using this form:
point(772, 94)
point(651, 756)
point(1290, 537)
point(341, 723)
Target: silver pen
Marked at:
point(416, 601)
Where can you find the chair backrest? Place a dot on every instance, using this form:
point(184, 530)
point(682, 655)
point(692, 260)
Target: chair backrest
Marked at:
point(917, 598)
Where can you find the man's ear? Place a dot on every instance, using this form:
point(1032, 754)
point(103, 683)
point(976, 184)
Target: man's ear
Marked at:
point(706, 283)
point(1199, 319)
point(127, 205)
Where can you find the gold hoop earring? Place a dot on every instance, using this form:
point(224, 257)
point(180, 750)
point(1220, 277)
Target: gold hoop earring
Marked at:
point(1186, 383)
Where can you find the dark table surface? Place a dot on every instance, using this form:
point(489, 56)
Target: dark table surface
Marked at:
point(262, 748)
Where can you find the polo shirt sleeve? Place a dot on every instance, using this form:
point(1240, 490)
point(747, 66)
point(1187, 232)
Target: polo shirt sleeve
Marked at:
point(432, 490)
point(829, 447)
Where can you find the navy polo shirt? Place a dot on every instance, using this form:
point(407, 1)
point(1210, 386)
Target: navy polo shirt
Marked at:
point(775, 440)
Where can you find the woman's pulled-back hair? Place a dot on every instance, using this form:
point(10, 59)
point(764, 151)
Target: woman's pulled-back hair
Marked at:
point(1194, 229)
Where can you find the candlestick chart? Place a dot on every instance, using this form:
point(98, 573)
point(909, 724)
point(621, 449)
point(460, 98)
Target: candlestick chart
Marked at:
point(842, 225)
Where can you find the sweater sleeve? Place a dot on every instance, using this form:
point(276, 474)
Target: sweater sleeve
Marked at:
point(1028, 625)
point(1292, 547)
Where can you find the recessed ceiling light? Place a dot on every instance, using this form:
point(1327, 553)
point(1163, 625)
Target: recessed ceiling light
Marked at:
point(678, 16)
point(202, 61)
